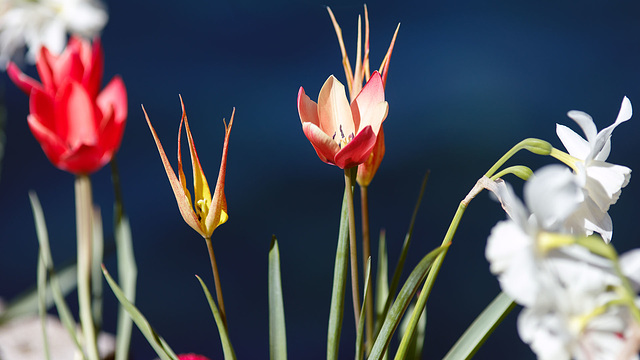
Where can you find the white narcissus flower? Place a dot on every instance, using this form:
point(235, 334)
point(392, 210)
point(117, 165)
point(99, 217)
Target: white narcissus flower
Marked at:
point(515, 248)
point(36, 23)
point(578, 327)
point(602, 181)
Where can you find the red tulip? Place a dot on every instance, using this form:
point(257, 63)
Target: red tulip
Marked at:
point(343, 135)
point(78, 126)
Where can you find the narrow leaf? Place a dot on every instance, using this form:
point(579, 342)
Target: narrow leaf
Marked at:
point(397, 273)
point(396, 311)
point(127, 274)
point(481, 328)
point(42, 303)
point(156, 341)
point(339, 282)
point(227, 349)
point(97, 253)
point(360, 330)
point(45, 254)
point(277, 329)
point(382, 282)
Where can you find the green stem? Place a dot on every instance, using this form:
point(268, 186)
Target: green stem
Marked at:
point(366, 254)
point(353, 251)
point(84, 229)
point(536, 146)
point(216, 280)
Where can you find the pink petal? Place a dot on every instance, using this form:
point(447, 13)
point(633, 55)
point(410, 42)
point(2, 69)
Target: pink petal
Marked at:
point(333, 110)
point(357, 151)
point(368, 169)
point(325, 147)
point(307, 109)
point(75, 116)
point(369, 107)
point(23, 81)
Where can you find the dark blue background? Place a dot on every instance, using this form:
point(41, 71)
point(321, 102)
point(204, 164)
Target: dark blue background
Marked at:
point(467, 81)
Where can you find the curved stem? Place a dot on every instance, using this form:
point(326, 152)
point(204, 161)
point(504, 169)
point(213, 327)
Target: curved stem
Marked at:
point(216, 280)
point(84, 233)
point(353, 251)
point(366, 254)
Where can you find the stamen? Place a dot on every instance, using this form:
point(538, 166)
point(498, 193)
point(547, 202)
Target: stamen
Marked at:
point(341, 132)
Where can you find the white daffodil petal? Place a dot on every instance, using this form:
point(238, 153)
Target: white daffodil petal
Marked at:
point(551, 195)
point(585, 121)
point(577, 146)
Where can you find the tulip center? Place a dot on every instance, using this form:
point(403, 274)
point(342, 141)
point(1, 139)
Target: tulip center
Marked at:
point(342, 140)
point(202, 209)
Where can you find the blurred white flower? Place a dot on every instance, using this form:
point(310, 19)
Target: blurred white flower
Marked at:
point(517, 249)
point(36, 23)
point(579, 326)
point(602, 181)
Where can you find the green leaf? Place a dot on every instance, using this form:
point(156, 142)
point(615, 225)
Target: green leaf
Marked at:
point(382, 282)
point(156, 341)
point(45, 255)
point(97, 252)
point(42, 303)
point(127, 274)
point(227, 349)
point(414, 350)
point(394, 316)
point(397, 273)
point(360, 330)
point(481, 328)
point(339, 282)
point(277, 329)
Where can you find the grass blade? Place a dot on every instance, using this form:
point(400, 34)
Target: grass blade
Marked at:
point(396, 311)
point(227, 349)
point(481, 328)
point(97, 253)
point(277, 329)
point(42, 303)
point(45, 254)
point(156, 341)
point(127, 274)
point(339, 282)
point(360, 330)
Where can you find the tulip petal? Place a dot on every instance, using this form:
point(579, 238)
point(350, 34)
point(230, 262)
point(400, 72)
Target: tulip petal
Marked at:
point(333, 110)
point(307, 109)
point(94, 67)
point(325, 147)
point(22, 80)
point(218, 209)
point(43, 64)
point(186, 210)
point(368, 169)
point(356, 151)
point(369, 107)
point(113, 100)
point(201, 192)
point(75, 116)
point(51, 144)
point(84, 159)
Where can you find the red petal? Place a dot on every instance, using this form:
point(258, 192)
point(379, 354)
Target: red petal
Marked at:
point(94, 67)
point(112, 102)
point(75, 116)
point(368, 169)
point(41, 104)
point(43, 64)
point(51, 144)
point(84, 159)
point(369, 106)
point(23, 81)
point(357, 151)
point(325, 147)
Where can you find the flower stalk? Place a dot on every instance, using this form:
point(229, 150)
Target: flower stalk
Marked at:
point(216, 280)
point(349, 174)
point(84, 228)
point(366, 254)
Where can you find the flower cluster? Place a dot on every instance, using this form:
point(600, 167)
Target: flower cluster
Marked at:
point(578, 302)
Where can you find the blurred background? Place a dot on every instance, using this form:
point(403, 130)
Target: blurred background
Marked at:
point(467, 81)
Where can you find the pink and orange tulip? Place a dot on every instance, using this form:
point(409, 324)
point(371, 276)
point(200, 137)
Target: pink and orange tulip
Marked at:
point(342, 134)
point(78, 126)
point(355, 78)
point(205, 213)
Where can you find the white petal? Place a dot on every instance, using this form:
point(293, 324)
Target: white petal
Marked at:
point(552, 194)
point(630, 266)
point(574, 143)
point(605, 182)
point(599, 145)
point(586, 123)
